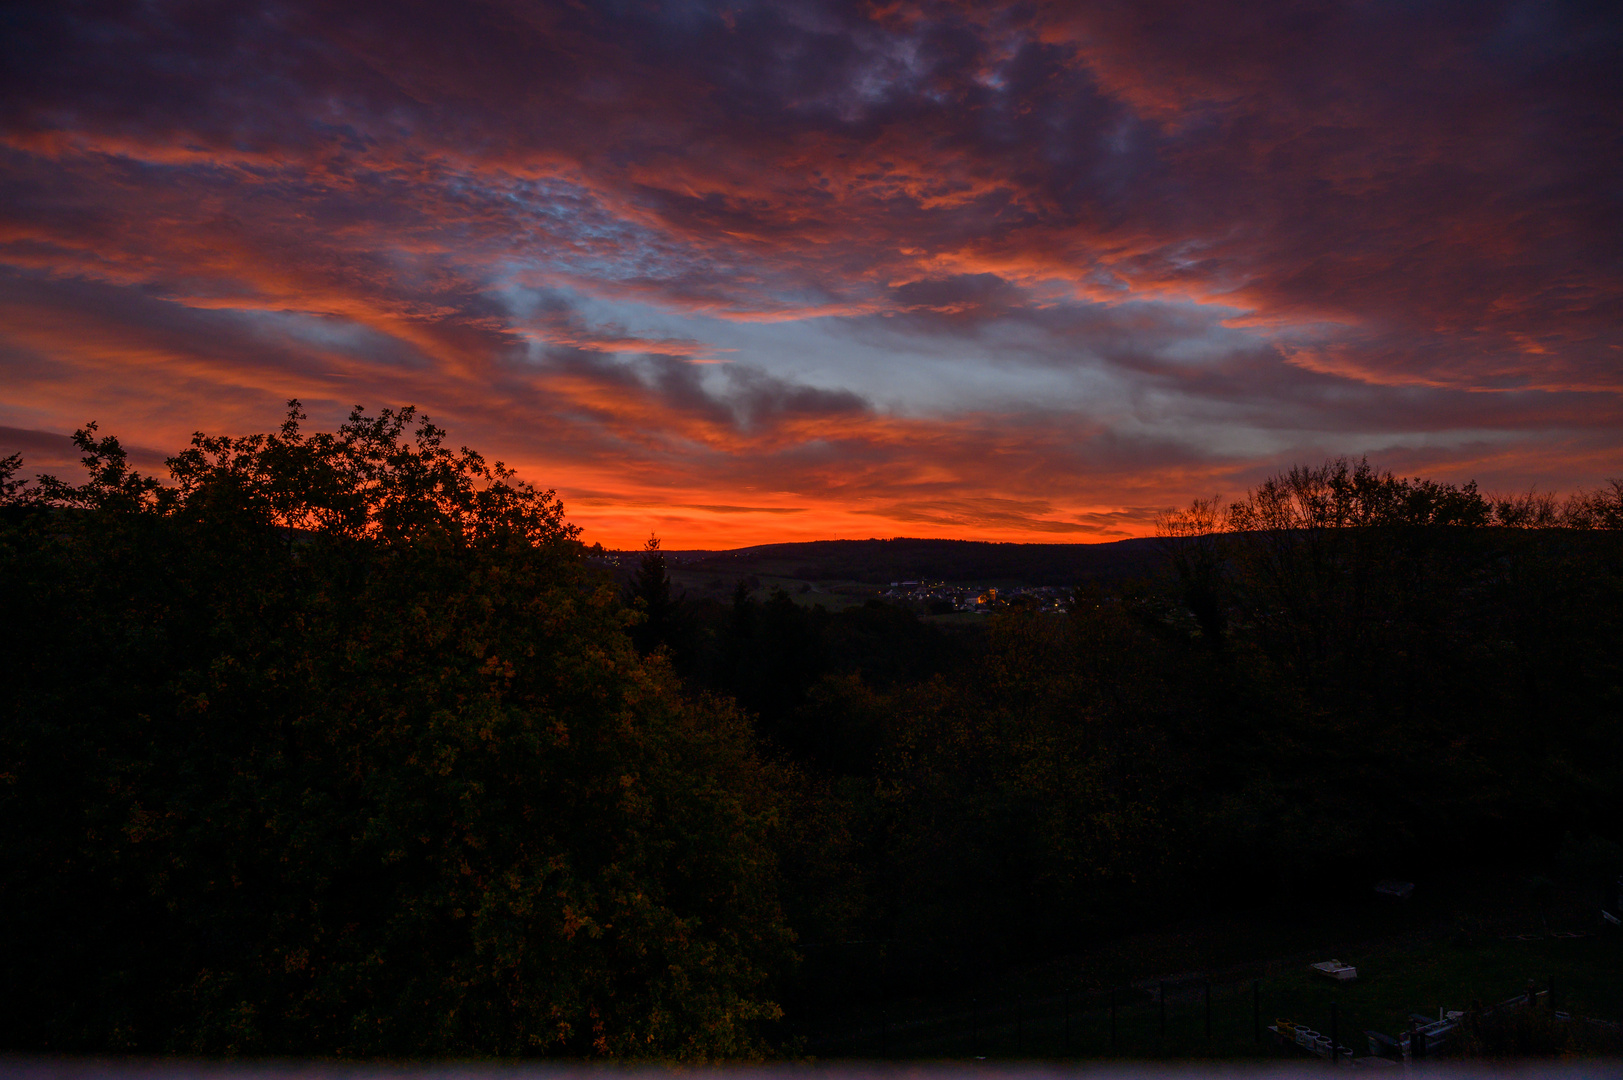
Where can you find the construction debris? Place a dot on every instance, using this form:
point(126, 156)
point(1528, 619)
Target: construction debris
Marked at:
point(1335, 969)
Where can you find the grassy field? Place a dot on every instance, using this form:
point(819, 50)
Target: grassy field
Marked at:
point(1411, 963)
point(696, 582)
point(1392, 984)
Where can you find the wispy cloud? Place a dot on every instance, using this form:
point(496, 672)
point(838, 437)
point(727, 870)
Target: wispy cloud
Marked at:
point(772, 271)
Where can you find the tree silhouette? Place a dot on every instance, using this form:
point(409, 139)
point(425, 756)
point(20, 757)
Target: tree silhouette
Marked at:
point(1190, 539)
point(650, 592)
point(335, 745)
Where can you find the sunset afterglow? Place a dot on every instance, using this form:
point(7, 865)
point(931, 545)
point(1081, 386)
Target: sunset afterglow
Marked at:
point(741, 273)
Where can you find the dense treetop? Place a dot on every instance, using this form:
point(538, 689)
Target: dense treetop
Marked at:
point(335, 743)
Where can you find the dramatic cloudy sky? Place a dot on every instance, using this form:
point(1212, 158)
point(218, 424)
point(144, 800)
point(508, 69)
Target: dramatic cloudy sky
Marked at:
point(741, 272)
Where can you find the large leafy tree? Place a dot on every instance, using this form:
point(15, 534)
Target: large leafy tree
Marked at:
point(333, 744)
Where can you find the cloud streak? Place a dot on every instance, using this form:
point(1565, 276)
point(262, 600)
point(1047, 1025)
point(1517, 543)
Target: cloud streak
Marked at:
point(748, 272)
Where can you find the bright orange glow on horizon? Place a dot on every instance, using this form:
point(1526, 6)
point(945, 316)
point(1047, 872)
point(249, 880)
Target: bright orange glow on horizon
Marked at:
point(626, 527)
point(971, 271)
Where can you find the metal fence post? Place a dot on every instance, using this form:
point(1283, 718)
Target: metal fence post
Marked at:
point(1256, 1010)
point(1163, 1014)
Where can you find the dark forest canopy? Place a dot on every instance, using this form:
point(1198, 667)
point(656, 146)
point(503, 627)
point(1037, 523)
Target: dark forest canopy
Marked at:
point(333, 746)
point(337, 743)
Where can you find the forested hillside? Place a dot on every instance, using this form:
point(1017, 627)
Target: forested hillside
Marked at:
point(1343, 677)
point(875, 562)
point(337, 744)
point(333, 746)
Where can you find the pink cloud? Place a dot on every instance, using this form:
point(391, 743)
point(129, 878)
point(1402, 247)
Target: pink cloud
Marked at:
point(1271, 231)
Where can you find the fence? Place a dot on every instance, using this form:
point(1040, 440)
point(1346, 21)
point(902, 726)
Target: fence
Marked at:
point(1172, 1018)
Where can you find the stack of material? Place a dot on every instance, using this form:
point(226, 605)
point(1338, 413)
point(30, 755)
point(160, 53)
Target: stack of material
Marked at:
point(1286, 1032)
point(1335, 969)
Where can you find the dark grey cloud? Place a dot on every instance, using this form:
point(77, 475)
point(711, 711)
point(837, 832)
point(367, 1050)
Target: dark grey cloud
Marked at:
point(1287, 226)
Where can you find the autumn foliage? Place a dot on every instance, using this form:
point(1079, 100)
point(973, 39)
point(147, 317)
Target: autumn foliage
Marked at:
point(339, 744)
point(332, 745)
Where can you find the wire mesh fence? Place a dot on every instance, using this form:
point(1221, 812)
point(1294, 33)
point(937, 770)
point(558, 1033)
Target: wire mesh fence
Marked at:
point(1174, 1018)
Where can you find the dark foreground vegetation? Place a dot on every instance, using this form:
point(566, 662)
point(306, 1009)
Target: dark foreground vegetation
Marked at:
point(338, 745)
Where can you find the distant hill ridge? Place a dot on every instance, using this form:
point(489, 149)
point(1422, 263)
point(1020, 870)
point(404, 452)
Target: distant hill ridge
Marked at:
point(979, 561)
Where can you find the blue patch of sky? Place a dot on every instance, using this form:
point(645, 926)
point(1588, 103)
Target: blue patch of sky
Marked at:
point(1084, 357)
point(332, 334)
point(1011, 363)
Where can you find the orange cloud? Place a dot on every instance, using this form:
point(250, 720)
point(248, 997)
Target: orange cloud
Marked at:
point(973, 270)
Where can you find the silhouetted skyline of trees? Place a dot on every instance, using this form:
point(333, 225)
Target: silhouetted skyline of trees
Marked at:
point(336, 743)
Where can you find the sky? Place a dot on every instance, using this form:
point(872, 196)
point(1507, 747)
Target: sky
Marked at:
point(737, 273)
